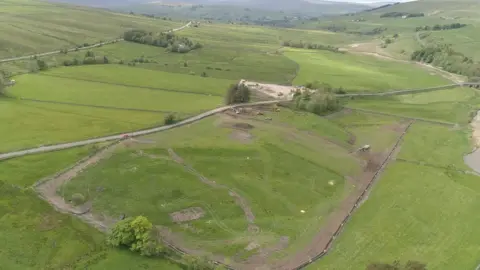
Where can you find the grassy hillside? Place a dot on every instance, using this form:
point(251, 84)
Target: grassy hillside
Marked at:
point(412, 210)
point(36, 236)
point(31, 26)
point(358, 72)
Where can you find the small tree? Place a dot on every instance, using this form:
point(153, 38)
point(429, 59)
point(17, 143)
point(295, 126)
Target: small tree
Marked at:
point(105, 60)
point(237, 93)
point(136, 233)
point(169, 119)
point(42, 65)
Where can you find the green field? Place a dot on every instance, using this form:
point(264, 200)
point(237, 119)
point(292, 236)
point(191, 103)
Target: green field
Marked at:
point(411, 212)
point(77, 90)
point(36, 26)
point(37, 124)
point(276, 174)
point(452, 105)
point(36, 236)
point(267, 179)
point(359, 73)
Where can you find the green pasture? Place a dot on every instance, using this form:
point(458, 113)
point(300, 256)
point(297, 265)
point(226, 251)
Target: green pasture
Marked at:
point(26, 171)
point(35, 26)
point(379, 131)
point(452, 105)
point(129, 76)
point(37, 237)
point(44, 87)
point(409, 215)
point(464, 40)
point(228, 61)
point(279, 171)
point(30, 124)
point(436, 145)
point(358, 72)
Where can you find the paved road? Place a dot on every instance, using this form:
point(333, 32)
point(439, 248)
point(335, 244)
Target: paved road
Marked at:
point(12, 59)
point(131, 134)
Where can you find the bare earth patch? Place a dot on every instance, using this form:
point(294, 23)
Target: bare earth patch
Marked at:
point(273, 90)
point(188, 214)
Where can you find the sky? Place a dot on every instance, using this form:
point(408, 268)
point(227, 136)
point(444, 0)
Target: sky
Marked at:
point(371, 1)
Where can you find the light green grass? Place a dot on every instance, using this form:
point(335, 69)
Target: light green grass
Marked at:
point(359, 72)
point(25, 171)
point(280, 172)
point(30, 124)
point(118, 74)
point(452, 105)
point(413, 213)
point(37, 237)
point(378, 131)
point(436, 145)
point(38, 86)
point(35, 26)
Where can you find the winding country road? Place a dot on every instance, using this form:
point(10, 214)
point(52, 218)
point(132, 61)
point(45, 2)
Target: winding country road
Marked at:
point(12, 59)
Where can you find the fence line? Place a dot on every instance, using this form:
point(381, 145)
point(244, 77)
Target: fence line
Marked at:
point(328, 246)
point(93, 106)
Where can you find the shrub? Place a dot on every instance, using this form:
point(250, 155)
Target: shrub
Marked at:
point(320, 102)
point(170, 119)
point(78, 199)
point(204, 74)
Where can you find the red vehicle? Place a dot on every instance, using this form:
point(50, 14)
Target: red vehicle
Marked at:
point(125, 136)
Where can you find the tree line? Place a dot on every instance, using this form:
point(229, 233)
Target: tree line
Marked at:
point(450, 60)
point(439, 27)
point(310, 46)
point(396, 14)
point(168, 40)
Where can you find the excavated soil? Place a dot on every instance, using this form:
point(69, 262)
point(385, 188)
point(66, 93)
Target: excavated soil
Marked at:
point(188, 214)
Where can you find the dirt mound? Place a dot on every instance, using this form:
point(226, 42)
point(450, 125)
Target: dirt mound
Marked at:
point(245, 126)
point(188, 214)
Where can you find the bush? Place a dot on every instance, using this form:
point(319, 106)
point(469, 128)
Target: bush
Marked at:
point(136, 233)
point(42, 65)
point(320, 102)
point(169, 119)
point(204, 74)
point(78, 199)
point(237, 93)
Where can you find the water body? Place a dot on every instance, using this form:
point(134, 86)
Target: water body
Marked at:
point(473, 159)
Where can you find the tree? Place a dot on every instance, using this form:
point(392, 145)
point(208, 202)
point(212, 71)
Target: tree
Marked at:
point(136, 233)
point(169, 119)
point(42, 65)
point(237, 93)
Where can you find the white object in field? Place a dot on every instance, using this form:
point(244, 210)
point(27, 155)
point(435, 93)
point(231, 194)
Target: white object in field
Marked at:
point(366, 147)
point(331, 182)
point(302, 211)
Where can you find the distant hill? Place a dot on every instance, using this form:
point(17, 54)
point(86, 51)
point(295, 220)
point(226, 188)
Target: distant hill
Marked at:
point(287, 6)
